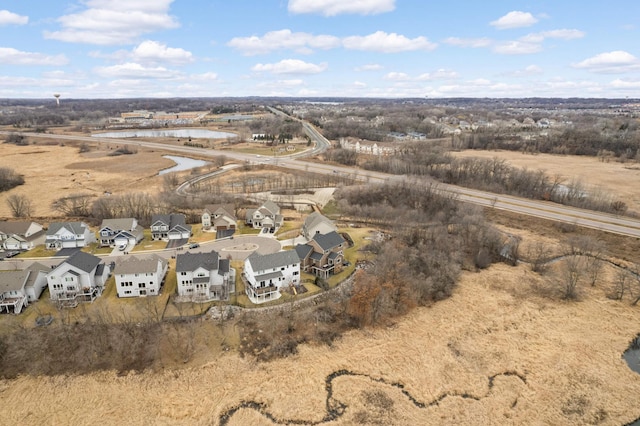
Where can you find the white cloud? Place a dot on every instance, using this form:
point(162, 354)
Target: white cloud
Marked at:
point(514, 19)
point(337, 7)
point(387, 43)
point(109, 22)
point(397, 76)
point(135, 71)
point(525, 72)
point(517, 48)
point(359, 84)
point(290, 66)
point(283, 39)
point(207, 76)
point(625, 84)
point(11, 56)
point(10, 18)
point(369, 67)
point(441, 74)
point(614, 62)
point(468, 42)
point(563, 34)
point(154, 52)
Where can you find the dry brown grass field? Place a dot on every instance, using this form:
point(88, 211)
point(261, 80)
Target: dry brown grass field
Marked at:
point(54, 171)
point(622, 179)
point(502, 350)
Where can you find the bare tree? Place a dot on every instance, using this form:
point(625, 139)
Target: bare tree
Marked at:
point(20, 205)
point(621, 283)
point(74, 205)
point(572, 271)
point(539, 255)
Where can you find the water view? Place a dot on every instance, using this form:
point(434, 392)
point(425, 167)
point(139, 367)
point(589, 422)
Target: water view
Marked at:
point(182, 163)
point(169, 133)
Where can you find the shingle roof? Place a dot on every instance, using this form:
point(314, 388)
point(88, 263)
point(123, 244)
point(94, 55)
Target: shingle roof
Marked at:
point(140, 265)
point(19, 228)
point(224, 209)
point(83, 261)
point(35, 270)
point(192, 261)
point(303, 250)
point(328, 241)
point(12, 280)
point(274, 260)
point(316, 218)
point(268, 276)
point(123, 224)
point(271, 206)
point(76, 228)
point(171, 220)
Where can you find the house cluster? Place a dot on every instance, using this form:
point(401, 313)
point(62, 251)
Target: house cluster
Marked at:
point(200, 277)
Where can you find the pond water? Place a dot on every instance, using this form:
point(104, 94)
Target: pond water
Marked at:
point(182, 163)
point(632, 355)
point(169, 133)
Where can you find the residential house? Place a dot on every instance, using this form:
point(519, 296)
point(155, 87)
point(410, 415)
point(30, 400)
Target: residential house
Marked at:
point(204, 276)
point(68, 235)
point(13, 293)
point(316, 223)
point(169, 227)
point(118, 232)
point(219, 217)
point(80, 278)
point(266, 216)
point(19, 288)
point(20, 235)
point(265, 275)
point(323, 255)
point(140, 276)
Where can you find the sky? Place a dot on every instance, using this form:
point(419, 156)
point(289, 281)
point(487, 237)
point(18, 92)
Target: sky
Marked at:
point(319, 48)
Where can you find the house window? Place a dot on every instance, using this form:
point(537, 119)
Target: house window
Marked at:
point(70, 288)
point(68, 279)
point(57, 286)
point(296, 272)
point(201, 274)
point(142, 285)
point(183, 273)
point(127, 292)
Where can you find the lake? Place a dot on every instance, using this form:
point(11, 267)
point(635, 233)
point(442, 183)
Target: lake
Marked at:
point(182, 163)
point(169, 133)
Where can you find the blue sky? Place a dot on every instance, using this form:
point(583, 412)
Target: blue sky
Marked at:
point(352, 48)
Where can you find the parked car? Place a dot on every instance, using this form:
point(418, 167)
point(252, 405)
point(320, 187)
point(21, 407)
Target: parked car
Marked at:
point(121, 247)
point(194, 245)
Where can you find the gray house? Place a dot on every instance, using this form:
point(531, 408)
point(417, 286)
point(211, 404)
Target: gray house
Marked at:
point(19, 288)
point(116, 232)
point(204, 276)
point(266, 216)
point(20, 235)
point(169, 227)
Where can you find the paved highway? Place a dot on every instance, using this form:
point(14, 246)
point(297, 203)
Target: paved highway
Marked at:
point(542, 209)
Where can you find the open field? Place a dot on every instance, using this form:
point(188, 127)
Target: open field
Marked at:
point(517, 356)
point(621, 179)
point(54, 171)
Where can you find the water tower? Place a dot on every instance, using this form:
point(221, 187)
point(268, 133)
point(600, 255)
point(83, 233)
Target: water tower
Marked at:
point(57, 96)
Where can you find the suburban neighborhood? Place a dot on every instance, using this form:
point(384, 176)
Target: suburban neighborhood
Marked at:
point(201, 274)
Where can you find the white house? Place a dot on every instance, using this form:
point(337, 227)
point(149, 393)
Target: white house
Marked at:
point(80, 278)
point(266, 216)
point(316, 223)
point(117, 232)
point(204, 276)
point(169, 227)
point(68, 235)
point(140, 276)
point(218, 217)
point(265, 275)
point(21, 235)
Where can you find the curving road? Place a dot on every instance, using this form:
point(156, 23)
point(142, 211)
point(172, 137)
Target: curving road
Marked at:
point(542, 209)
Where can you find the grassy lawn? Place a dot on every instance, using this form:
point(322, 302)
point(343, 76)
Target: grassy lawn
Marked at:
point(330, 209)
point(148, 244)
point(94, 248)
point(37, 251)
point(243, 229)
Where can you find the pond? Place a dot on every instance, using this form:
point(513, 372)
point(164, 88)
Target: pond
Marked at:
point(182, 163)
point(168, 133)
point(632, 355)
